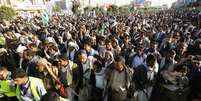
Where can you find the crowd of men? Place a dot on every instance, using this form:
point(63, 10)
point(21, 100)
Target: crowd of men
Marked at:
point(152, 56)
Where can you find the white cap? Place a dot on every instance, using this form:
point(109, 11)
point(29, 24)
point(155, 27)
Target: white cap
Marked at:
point(69, 36)
point(18, 35)
point(50, 39)
point(73, 44)
point(20, 49)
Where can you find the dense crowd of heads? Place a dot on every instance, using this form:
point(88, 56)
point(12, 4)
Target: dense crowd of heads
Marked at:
point(128, 40)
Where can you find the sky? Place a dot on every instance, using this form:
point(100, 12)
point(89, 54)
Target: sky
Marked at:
point(117, 2)
point(162, 2)
point(124, 2)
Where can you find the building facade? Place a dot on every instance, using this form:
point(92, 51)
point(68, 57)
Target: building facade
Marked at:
point(181, 3)
point(5, 2)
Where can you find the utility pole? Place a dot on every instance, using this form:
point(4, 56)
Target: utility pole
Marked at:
point(89, 3)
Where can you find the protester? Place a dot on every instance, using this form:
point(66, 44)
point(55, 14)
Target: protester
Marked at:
point(101, 58)
point(67, 71)
point(118, 80)
point(28, 88)
point(86, 80)
point(7, 87)
point(144, 78)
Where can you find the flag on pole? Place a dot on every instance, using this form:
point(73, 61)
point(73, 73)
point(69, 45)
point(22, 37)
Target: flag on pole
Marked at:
point(101, 30)
point(130, 10)
point(45, 19)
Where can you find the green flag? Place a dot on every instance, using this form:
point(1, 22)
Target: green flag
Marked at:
point(130, 9)
point(101, 30)
point(45, 19)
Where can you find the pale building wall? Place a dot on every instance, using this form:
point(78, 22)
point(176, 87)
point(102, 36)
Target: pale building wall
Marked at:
point(5, 2)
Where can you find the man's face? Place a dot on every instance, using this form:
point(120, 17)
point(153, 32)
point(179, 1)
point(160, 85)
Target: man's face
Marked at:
point(126, 39)
point(153, 46)
point(3, 74)
point(60, 40)
point(108, 57)
point(119, 66)
point(108, 46)
point(196, 65)
point(51, 51)
point(140, 51)
point(82, 58)
point(62, 62)
point(170, 56)
point(199, 46)
point(182, 48)
point(19, 81)
point(169, 38)
point(87, 47)
point(114, 43)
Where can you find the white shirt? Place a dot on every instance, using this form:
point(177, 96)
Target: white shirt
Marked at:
point(150, 74)
point(100, 79)
point(137, 61)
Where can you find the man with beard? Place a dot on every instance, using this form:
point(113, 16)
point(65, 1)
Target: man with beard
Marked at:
point(118, 81)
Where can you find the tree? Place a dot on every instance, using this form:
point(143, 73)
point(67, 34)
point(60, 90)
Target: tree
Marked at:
point(113, 9)
point(56, 9)
point(87, 9)
point(123, 9)
point(7, 13)
point(75, 8)
point(99, 10)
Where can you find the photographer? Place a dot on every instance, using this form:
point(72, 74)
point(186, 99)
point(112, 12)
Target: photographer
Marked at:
point(195, 79)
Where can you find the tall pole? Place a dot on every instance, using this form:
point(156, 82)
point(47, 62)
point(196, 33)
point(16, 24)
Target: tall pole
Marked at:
point(89, 3)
